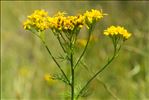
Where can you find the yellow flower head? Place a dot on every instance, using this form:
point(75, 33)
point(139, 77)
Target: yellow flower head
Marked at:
point(74, 22)
point(65, 23)
point(117, 30)
point(93, 15)
point(56, 22)
point(79, 21)
point(68, 23)
point(38, 20)
point(49, 79)
point(82, 42)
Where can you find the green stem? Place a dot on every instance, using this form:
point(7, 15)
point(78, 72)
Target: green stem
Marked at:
point(97, 73)
point(72, 80)
point(101, 82)
point(62, 37)
point(90, 30)
point(56, 62)
point(72, 70)
point(53, 58)
point(61, 44)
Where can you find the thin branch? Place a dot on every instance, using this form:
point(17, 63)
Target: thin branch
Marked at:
point(115, 53)
point(56, 62)
point(53, 57)
point(62, 36)
point(94, 76)
point(85, 48)
point(101, 82)
point(61, 44)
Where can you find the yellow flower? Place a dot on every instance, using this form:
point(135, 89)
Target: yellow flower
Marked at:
point(93, 15)
point(117, 31)
point(38, 20)
point(82, 42)
point(26, 24)
point(56, 22)
point(49, 79)
point(79, 21)
point(69, 23)
point(66, 23)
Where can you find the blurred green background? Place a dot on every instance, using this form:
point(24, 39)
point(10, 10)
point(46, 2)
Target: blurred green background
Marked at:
point(25, 61)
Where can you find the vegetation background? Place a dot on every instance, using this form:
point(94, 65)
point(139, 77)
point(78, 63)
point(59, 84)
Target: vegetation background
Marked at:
point(24, 61)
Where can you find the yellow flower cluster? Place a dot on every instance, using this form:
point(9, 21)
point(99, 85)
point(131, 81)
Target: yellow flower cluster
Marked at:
point(37, 20)
point(40, 20)
point(93, 15)
point(117, 30)
point(66, 24)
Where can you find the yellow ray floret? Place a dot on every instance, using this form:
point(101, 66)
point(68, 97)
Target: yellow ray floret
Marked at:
point(117, 30)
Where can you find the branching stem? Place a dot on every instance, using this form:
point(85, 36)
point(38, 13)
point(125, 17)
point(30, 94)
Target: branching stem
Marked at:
point(85, 48)
point(93, 77)
point(60, 42)
point(98, 72)
point(72, 69)
point(54, 59)
point(56, 62)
